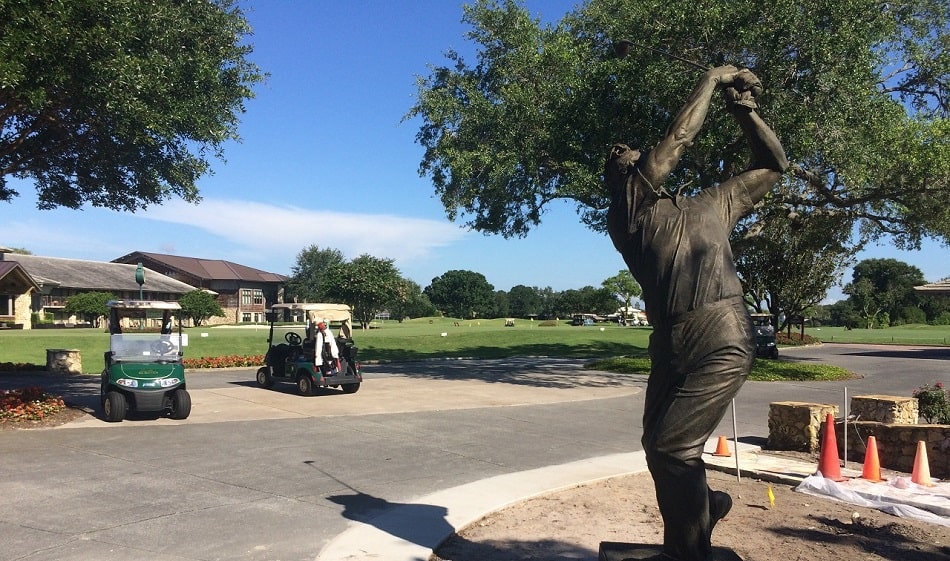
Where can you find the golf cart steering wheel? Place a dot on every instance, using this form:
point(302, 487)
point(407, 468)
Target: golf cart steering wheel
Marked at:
point(162, 347)
point(293, 338)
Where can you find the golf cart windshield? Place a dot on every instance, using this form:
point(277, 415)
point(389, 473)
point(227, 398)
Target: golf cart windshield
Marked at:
point(145, 347)
point(142, 331)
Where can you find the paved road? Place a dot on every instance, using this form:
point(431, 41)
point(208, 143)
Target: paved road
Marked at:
point(269, 475)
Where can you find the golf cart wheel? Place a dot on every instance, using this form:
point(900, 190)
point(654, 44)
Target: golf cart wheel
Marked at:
point(304, 385)
point(181, 404)
point(264, 379)
point(114, 407)
point(351, 388)
point(773, 354)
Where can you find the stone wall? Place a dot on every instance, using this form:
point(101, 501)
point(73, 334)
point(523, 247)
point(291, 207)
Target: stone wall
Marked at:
point(795, 425)
point(897, 444)
point(891, 420)
point(884, 409)
point(63, 361)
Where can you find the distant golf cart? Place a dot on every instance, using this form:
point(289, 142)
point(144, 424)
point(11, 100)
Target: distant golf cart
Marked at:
point(143, 368)
point(764, 336)
point(292, 355)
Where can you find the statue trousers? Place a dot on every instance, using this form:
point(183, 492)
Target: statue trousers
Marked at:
point(699, 362)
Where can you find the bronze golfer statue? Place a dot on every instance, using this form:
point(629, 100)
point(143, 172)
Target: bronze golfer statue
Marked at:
point(702, 348)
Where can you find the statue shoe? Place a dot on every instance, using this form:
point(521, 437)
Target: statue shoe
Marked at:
point(720, 503)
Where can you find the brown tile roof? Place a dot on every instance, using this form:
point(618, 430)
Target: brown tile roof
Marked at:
point(93, 275)
point(15, 271)
point(205, 269)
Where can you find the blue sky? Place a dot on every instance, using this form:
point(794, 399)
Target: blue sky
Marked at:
point(327, 160)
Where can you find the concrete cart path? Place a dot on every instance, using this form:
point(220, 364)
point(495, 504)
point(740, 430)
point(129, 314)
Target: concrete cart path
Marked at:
point(248, 402)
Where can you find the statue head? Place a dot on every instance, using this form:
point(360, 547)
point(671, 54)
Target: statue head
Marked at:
point(620, 163)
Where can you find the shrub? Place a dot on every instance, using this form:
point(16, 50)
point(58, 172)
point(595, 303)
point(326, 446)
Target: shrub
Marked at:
point(795, 340)
point(20, 367)
point(933, 403)
point(28, 404)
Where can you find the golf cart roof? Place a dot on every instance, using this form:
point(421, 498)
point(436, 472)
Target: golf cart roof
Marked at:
point(330, 312)
point(143, 305)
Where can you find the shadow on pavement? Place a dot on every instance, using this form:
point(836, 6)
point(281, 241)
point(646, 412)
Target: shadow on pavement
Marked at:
point(529, 371)
point(930, 353)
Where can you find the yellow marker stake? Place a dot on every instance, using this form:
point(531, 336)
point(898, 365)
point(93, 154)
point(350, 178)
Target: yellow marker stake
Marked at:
point(771, 498)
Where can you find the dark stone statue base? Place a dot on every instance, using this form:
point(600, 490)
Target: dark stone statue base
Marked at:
point(619, 551)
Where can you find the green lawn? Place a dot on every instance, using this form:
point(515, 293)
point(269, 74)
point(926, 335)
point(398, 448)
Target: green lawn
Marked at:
point(439, 337)
point(916, 334)
point(410, 340)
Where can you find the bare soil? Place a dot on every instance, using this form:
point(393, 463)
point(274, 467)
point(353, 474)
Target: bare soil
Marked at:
point(570, 524)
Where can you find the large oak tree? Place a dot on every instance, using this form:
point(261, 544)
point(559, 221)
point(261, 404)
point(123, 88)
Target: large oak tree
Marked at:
point(118, 103)
point(857, 90)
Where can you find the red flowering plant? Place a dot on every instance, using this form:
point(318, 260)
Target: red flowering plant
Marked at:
point(933, 403)
point(28, 404)
point(230, 361)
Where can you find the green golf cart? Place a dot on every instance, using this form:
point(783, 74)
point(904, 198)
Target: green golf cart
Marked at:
point(143, 366)
point(765, 346)
point(292, 353)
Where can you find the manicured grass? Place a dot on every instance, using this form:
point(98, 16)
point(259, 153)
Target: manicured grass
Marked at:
point(917, 334)
point(762, 370)
point(440, 337)
point(391, 341)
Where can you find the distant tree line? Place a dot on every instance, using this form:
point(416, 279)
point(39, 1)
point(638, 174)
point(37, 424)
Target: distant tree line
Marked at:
point(881, 294)
point(373, 285)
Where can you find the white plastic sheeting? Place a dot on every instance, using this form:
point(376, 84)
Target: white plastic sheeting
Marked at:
point(898, 496)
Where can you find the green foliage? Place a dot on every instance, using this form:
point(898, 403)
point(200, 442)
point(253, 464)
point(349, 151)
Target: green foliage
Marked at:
point(862, 111)
point(762, 370)
point(115, 103)
point(308, 275)
point(524, 301)
point(461, 294)
point(592, 300)
point(199, 306)
point(880, 288)
point(933, 403)
point(787, 262)
point(89, 305)
point(911, 314)
point(410, 302)
point(366, 283)
point(624, 286)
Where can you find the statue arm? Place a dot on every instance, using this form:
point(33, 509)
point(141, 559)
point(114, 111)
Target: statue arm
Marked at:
point(768, 156)
point(660, 161)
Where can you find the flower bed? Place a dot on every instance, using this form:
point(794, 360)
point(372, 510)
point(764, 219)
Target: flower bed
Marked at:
point(28, 404)
point(231, 361)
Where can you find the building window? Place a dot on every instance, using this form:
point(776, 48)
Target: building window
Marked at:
point(246, 317)
point(246, 297)
point(258, 297)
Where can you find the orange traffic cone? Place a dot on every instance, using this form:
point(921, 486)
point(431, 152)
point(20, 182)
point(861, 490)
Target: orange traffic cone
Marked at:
point(722, 448)
point(921, 473)
point(872, 464)
point(829, 465)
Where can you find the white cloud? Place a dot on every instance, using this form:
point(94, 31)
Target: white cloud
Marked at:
point(286, 228)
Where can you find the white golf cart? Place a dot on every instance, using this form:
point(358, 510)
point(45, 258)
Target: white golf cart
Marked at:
point(292, 355)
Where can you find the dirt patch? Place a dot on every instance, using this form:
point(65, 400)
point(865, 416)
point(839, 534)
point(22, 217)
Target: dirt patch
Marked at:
point(571, 524)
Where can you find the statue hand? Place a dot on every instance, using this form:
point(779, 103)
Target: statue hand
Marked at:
point(742, 80)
